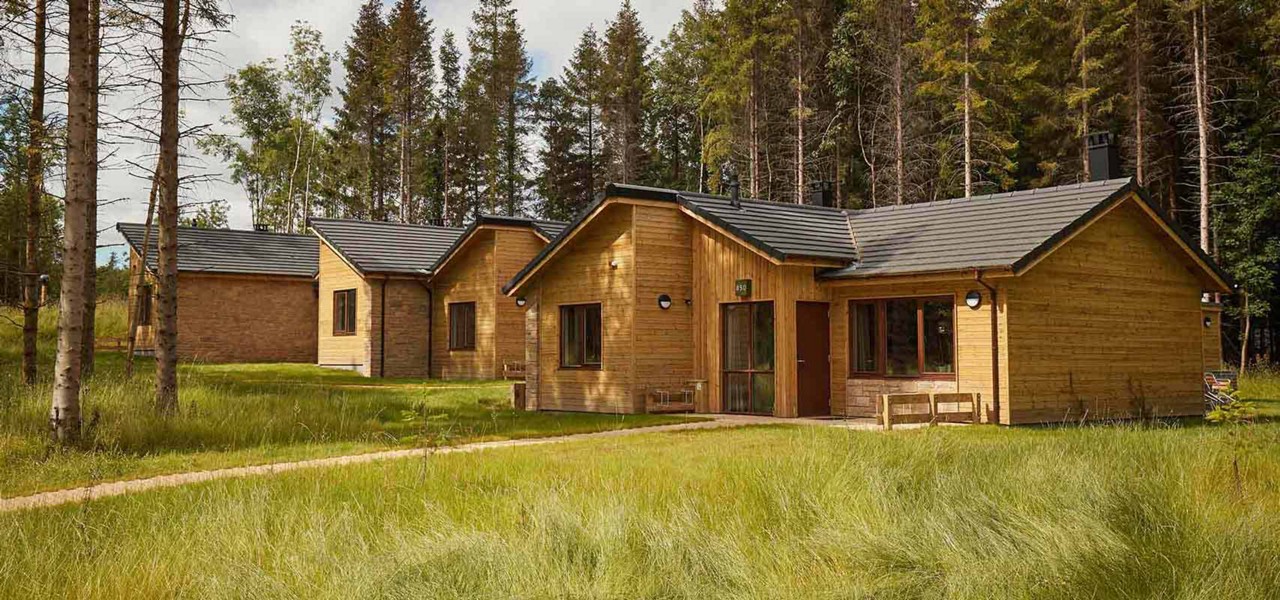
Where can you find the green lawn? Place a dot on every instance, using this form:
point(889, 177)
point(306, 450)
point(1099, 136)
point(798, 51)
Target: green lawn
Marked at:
point(771, 512)
point(233, 415)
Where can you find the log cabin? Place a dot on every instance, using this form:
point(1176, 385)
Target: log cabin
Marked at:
point(402, 300)
point(243, 296)
point(1064, 303)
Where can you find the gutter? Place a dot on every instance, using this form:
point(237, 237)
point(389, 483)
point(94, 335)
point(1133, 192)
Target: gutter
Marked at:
point(382, 332)
point(995, 344)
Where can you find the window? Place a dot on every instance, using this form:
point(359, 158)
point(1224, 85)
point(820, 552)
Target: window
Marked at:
point(902, 337)
point(462, 326)
point(748, 357)
point(580, 336)
point(344, 312)
point(144, 305)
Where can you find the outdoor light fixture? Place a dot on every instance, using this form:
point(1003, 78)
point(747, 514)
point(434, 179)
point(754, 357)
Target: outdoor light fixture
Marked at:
point(664, 302)
point(1208, 321)
point(521, 301)
point(613, 264)
point(973, 299)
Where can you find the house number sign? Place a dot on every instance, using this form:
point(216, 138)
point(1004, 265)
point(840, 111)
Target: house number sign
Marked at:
point(742, 288)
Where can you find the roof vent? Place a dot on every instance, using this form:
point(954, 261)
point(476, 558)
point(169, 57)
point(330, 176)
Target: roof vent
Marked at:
point(261, 227)
point(1104, 157)
point(729, 178)
point(822, 193)
point(436, 222)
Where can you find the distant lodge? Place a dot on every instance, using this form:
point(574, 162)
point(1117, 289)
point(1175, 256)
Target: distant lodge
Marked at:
point(1072, 302)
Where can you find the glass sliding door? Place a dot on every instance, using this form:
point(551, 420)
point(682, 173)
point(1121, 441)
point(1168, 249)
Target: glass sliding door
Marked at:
point(748, 357)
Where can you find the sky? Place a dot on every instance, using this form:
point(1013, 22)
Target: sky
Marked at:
point(261, 31)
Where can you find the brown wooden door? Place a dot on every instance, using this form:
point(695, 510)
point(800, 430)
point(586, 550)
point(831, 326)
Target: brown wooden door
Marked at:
point(813, 359)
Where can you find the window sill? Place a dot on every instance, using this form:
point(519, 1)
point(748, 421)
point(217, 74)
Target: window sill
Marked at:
point(343, 334)
point(469, 349)
point(924, 377)
point(581, 368)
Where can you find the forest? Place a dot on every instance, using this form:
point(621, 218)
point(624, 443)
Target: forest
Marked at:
point(884, 101)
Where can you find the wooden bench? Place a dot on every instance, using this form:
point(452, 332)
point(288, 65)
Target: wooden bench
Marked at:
point(929, 408)
point(513, 370)
point(669, 398)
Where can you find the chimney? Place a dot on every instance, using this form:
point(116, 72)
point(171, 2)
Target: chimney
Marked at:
point(1104, 157)
point(822, 193)
point(437, 222)
point(261, 227)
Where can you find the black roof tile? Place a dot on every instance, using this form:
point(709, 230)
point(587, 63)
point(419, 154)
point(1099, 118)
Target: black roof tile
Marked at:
point(232, 251)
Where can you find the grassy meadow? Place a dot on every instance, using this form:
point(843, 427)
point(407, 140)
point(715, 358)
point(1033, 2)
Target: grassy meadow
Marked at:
point(1124, 511)
point(234, 415)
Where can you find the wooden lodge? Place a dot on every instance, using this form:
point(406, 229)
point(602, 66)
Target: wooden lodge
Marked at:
point(243, 296)
point(401, 300)
point(1065, 303)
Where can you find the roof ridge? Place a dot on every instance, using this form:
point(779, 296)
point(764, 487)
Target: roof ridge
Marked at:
point(1040, 191)
point(761, 202)
point(392, 223)
point(223, 230)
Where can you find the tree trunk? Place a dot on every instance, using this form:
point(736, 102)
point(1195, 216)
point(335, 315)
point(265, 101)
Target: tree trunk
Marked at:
point(899, 146)
point(64, 415)
point(1139, 110)
point(1084, 101)
point(35, 195)
point(1244, 337)
point(135, 311)
point(1200, 50)
point(799, 112)
point(91, 230)
point(968, 127)
point(167, 265)
point(754, 127)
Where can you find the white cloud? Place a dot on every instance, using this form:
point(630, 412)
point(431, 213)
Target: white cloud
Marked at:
point(261, 31)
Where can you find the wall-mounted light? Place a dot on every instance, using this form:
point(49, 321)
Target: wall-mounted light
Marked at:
point(613, 264)
point(664, 302)
point(973, 299)
point(1208, 321)
point(521, 301)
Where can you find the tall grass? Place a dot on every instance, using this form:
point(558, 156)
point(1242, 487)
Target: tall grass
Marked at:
point(232, 415)
point(1119, 512)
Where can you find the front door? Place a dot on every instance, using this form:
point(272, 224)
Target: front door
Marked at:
point(747, 358)
point(813, 359)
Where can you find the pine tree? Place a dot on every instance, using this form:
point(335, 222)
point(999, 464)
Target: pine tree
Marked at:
point(498, 100)
point(626, 81)
point(411, 77)
point(364, 127)
point(448, 128)
point(679, 125)
point(34, 195)
point(560, 181)
point(584, 86)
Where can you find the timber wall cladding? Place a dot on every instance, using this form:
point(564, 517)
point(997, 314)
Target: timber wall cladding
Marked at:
point(347, 351)
point(718, 263)
point(857, 397)
point(581, 273)
point(513, 249)
point(468, 277)
point(663, 338)
point(1109, 325)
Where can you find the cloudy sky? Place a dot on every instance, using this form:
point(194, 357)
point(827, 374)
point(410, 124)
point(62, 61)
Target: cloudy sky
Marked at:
point(261, 31)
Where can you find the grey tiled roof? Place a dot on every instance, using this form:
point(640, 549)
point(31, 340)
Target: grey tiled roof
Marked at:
point(382, 247)
point(232, 251)
point(551, 229)
point(997, 230)
point(781, 230)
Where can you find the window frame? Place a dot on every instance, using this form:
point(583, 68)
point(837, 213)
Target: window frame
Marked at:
point(751, 372)
point(581, 325)
point(882, 342)
point(344, 325)
point(466, 344)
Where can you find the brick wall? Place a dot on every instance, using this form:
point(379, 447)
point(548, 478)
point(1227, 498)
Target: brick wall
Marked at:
point(863, 395)
point(234, 318)
point(408, 321)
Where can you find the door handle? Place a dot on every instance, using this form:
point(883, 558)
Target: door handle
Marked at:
point(800, 360)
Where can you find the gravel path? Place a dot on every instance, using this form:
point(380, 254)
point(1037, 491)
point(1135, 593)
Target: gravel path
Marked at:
point(117, 488)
